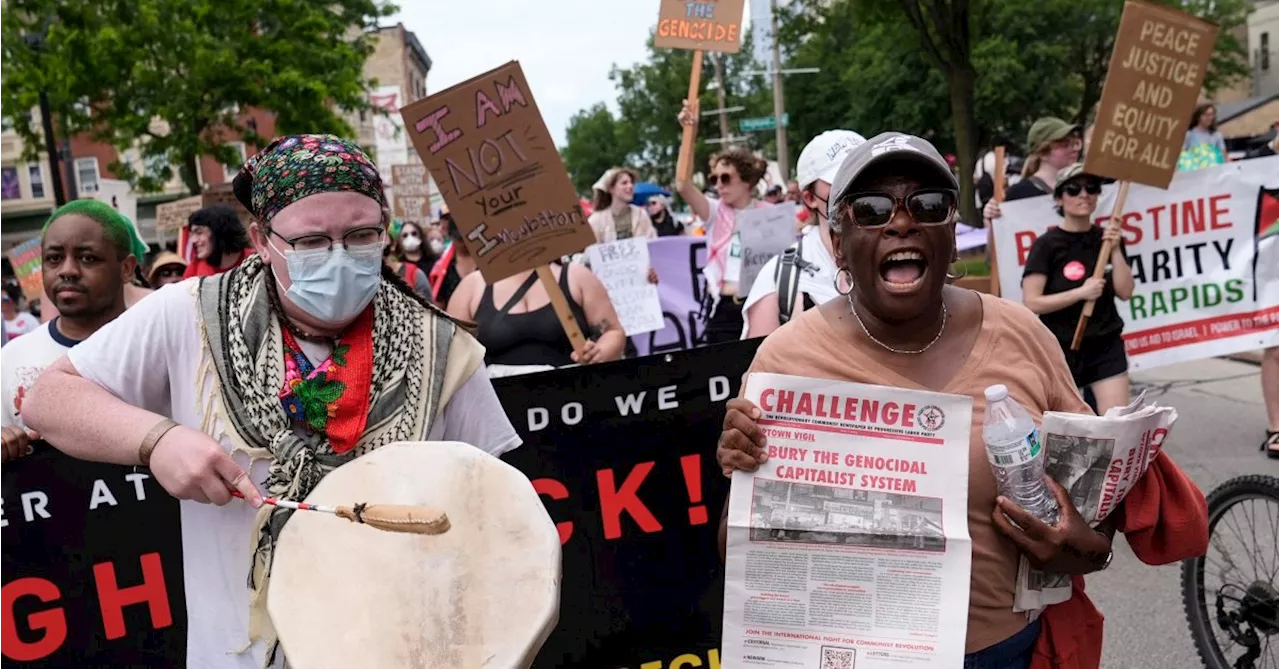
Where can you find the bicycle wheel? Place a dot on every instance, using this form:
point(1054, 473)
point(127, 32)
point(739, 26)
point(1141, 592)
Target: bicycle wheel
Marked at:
point(1230, 593)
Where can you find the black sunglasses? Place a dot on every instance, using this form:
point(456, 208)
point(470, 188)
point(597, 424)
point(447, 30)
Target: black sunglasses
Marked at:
point(928, 206)
point(723, 179)
point(1073, 188)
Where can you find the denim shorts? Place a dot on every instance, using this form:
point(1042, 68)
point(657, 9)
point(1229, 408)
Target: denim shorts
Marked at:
point(1012, 653)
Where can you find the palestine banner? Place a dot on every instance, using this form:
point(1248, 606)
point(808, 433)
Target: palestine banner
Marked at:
point(1203, 255)
point(622, 453)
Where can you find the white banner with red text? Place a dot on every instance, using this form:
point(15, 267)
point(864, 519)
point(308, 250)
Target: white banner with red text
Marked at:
point(1204, 257)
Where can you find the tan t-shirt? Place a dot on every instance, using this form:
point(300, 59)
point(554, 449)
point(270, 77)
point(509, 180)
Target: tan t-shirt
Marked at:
point(1013, 348)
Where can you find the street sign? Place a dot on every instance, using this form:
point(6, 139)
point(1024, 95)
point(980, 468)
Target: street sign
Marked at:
point(758, 124)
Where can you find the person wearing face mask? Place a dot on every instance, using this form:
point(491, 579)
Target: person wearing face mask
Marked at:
point(410, 273)
point(898, 323)
point(263, 379)
point(804, 275)
point(412, 247)
point(734, 174)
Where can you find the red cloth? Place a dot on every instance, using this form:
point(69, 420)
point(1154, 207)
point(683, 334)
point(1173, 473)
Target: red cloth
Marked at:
point(199, 267)
point(1165, 519)
point(438, 271)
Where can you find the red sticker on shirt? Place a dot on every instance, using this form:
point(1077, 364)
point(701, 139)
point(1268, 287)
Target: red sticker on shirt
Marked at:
point(1074, 270)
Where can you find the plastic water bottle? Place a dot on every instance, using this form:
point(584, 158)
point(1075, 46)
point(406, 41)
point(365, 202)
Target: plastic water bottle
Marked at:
point(1016, 456)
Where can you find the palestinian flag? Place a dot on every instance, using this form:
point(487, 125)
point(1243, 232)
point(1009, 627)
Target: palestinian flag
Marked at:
point(1268, 213)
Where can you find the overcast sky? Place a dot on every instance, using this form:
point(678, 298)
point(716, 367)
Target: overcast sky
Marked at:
point(566, 47)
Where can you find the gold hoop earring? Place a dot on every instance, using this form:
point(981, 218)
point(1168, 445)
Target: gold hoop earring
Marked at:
point(839, 273)
point(956, 277)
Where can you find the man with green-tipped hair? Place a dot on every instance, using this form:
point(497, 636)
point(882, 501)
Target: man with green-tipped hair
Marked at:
point(88, 257)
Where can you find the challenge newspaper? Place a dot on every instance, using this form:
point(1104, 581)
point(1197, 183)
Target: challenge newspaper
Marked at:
point(850, 546)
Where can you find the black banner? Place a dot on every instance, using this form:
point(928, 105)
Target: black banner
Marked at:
point(92, 566)
point(622, 454)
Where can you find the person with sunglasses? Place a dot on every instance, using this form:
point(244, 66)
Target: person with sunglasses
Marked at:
point(1057, 281)
point(735, 172)
point(899, 323)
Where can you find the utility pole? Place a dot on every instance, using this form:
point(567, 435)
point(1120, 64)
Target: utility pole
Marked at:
point(779, 107)
point(51, 149)
point(716, 60)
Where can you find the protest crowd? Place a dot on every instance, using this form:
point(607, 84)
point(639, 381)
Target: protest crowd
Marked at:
point(816, 359)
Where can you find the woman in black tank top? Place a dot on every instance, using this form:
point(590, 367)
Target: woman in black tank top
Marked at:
point(514, 334)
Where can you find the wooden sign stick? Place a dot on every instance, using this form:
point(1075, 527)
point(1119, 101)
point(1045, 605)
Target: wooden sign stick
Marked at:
point(560, 302)
point(684, 161)
point(1100, 267)
point(998, 180)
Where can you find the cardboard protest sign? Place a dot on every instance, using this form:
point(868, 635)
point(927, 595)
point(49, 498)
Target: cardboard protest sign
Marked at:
point(765, 232)
point(174, 215)
point(710, 25)
point(1153, 82)
point(623, 268)
point(498, 170)
point(26, 259)
point(410, 194)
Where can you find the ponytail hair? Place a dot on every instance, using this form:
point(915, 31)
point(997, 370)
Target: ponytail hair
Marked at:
point(1031, 166)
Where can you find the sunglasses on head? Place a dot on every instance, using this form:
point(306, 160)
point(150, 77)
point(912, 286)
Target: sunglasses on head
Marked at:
point(723, 179)
point(928, 206)
point(1073, 188)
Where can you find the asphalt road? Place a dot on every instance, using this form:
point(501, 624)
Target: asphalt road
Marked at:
point(1220, 424)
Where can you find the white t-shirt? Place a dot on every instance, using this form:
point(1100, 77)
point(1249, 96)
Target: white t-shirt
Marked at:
point(818, 280)
point(149, 357)
point(21, 323)
point(22, 360)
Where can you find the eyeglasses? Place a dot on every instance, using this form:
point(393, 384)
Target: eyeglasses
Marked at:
point(1073, 188)
point(931, 206)
point(170, 272)
point(723, 179)
point(353, 239)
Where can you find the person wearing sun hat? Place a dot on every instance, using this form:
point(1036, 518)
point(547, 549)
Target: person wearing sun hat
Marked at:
point(263, 379)
point(803, 275)
point(166, 268)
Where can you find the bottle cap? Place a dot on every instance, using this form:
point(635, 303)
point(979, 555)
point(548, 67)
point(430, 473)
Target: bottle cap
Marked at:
point(996, 393)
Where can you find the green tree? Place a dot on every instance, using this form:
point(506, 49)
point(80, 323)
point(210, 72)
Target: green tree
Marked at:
point(168, 77)
point(593, 144)
point(649, 95)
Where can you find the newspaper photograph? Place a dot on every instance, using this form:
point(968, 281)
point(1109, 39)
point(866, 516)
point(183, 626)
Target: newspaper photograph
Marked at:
point(850, 546)
point(1098, 459)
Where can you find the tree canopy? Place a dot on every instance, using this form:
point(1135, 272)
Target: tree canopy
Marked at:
point(170, 77)
point(965, 74)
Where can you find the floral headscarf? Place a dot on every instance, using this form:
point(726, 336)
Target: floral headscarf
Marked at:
point(296, 166)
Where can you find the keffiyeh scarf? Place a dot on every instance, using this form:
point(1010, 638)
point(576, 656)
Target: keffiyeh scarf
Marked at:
point(243, 345)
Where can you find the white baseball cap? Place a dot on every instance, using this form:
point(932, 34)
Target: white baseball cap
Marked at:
point(822, 156)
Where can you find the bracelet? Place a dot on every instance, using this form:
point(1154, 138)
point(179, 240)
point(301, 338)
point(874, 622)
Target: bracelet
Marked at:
point(153, 437)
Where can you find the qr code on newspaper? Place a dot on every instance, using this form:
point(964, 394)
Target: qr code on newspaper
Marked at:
point(834, 657)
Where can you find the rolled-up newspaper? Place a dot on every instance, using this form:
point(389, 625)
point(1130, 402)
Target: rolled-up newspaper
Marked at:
point(1098, 459)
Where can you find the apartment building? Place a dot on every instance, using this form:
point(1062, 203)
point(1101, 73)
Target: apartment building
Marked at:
point(26, 187)
point(399, 63)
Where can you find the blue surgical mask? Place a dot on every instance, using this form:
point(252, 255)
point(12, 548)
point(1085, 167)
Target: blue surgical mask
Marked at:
point(333, 286)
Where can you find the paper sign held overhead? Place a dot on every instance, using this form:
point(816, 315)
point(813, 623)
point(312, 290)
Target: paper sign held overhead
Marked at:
point(494, 162)
point(1153, 82)
point(711, 25)
point(27, 260)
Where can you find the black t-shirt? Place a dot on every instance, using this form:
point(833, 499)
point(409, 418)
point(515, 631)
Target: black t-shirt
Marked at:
point(1066, 259)
point(448, 284)
point(1028, 187)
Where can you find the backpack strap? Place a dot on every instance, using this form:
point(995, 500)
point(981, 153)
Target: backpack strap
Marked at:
point(789, 280)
